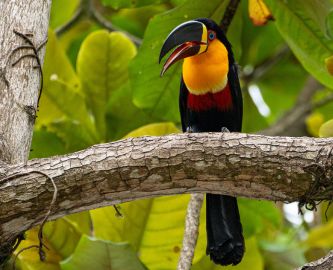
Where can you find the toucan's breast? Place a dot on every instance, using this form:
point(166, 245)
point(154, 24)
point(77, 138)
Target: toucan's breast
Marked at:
point(207, 72)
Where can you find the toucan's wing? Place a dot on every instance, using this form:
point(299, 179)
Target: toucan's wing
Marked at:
point(236, 96)
point(183, 104)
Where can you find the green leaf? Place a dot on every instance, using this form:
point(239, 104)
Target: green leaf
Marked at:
point(92, 253)
point(117, 4)
point(161, 101)
point(102, 67)
point(298, 23)
point(252, 259)
point(258, 216)
point(61, 97)
point(62, 11)
point(120, 121)
point(252, 119)
point(75, 136)
point(154, 227)
point(326, 130)
point(46, 144)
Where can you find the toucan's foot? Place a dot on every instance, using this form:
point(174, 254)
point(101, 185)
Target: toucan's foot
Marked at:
point(189, 130)
point(224, 129)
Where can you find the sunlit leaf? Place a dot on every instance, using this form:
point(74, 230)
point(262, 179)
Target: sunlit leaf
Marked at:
point(321, 236)
point(61, 97)
point(326, 130)
point(329, 64)
point(156, 129)
point(252, 259)
point(313, 123)
point(297, 24)
point(102, 67)
point(29, 259)
point(259, 12)
point(92, 253)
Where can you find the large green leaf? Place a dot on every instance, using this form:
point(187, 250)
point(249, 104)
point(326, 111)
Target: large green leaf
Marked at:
point(321, 236)
point(122, 115)
point(252, 260)
point(158, 129)
point(61, 97)
point(92, 253)
point(46, 144)
point(298, 23)
point(161, 100)
point(258, 216)
point(102, 65)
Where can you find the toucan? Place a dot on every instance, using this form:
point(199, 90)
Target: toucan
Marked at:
point(210, 100)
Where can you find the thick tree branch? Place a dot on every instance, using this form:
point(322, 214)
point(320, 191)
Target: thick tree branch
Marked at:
point(272, 168)
point(325, 263)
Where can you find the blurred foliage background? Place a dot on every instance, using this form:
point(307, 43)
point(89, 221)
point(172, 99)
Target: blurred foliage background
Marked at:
point(102, 84)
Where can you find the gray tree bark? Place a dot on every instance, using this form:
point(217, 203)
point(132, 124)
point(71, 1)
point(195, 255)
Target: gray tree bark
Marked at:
point(256, 166)
point(19, 85)
point(20, 82)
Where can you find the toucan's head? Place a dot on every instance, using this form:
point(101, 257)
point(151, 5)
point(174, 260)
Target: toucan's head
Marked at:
point(206, 51)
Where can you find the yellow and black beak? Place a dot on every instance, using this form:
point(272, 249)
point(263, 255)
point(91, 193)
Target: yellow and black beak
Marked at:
point(190, 38)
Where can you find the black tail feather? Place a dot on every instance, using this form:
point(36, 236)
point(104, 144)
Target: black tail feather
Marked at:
point(225, 241)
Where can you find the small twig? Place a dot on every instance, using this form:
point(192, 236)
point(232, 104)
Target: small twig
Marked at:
point(101, 20)
point(76, 17)
point(229, 15)
point(191, 231)
point(118, 213)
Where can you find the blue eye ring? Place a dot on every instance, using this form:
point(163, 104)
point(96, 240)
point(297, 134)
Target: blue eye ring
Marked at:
point(211, 35)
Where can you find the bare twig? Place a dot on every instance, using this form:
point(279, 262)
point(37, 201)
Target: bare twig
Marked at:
point(79, 13)
point(229, 14)
point(101, 20)
point(191, 231)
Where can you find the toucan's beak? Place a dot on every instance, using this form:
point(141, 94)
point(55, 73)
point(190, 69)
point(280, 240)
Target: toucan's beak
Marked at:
point(190, 38)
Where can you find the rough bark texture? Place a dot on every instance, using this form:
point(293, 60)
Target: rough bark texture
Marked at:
point(272, 168)
point(325, 263)
point(19, 85)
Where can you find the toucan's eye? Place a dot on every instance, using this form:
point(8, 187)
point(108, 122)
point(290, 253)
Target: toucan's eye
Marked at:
point(211, 35)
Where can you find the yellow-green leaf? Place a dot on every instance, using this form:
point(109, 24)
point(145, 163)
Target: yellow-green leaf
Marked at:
point(313, 123)
point(92, 253)
point(252, 259)
point(158, 129)
point(61, 97)
point(321, 237)
point(326, 130)
point(102, 65)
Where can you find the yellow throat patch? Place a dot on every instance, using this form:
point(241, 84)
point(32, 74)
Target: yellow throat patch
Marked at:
point(208, 71)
